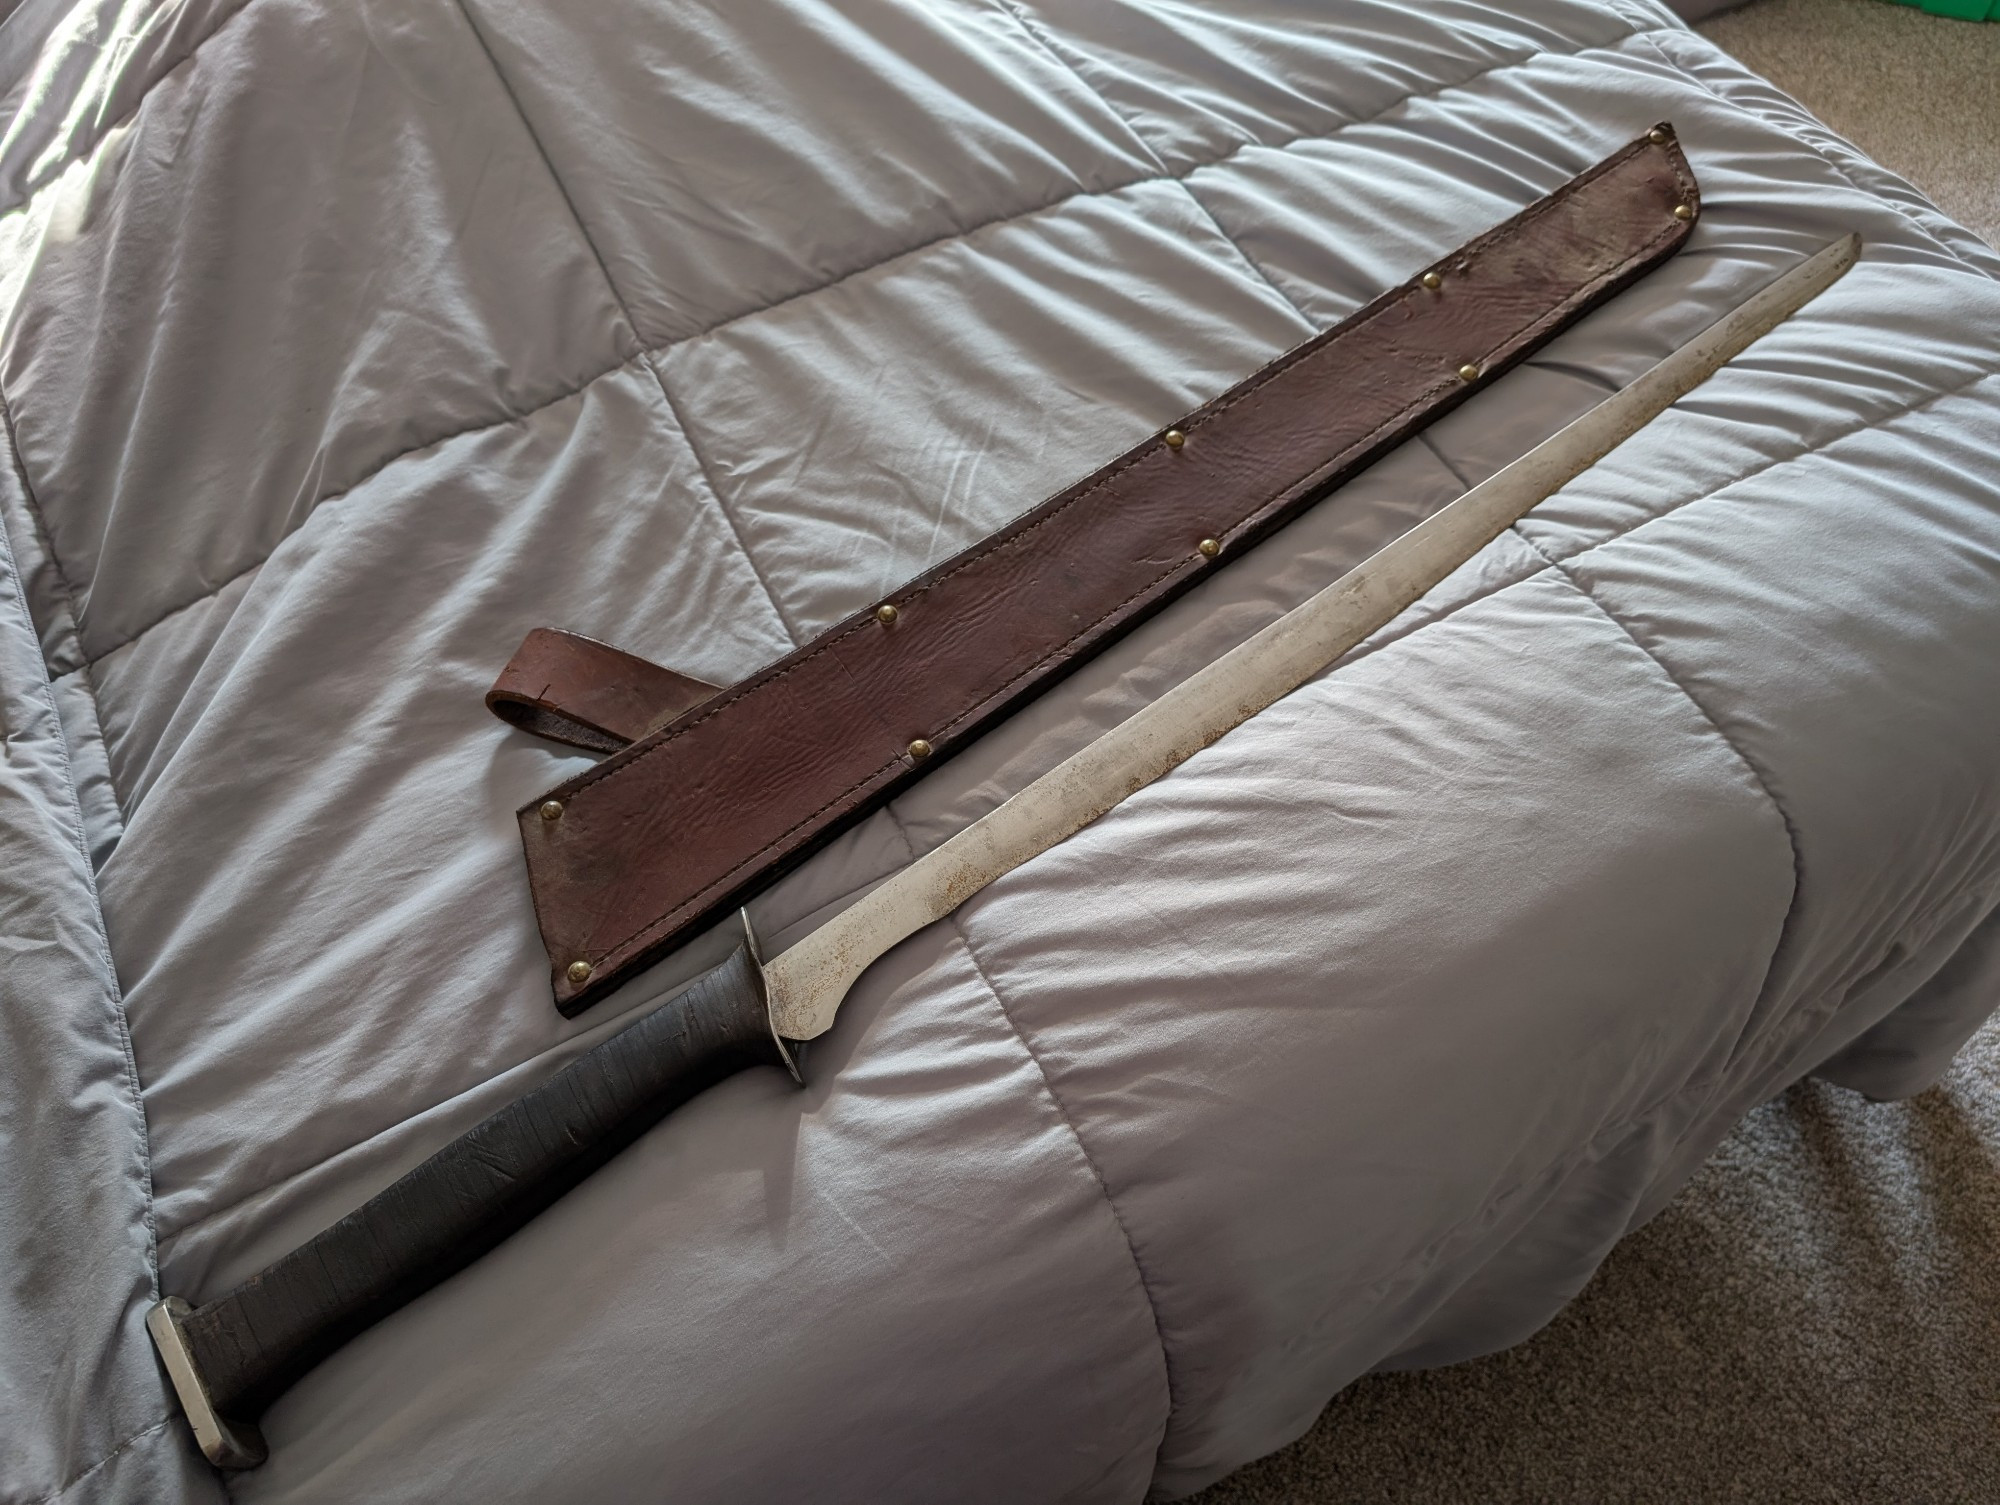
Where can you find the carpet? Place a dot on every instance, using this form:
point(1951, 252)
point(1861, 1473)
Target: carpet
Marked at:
point(1817, 1316)
point(1918, 93)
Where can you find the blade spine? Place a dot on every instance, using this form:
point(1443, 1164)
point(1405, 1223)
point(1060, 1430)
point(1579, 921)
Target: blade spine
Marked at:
point(828, 960)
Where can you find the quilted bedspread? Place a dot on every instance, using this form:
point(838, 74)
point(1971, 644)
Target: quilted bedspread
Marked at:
point(346, 340)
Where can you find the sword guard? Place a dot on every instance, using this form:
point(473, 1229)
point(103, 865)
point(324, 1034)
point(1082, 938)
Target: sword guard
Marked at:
point(791, 1052)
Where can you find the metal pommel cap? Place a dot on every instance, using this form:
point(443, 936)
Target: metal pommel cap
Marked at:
point(225, 1443)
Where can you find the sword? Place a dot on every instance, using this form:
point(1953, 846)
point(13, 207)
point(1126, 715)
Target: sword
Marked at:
point(230, 1358)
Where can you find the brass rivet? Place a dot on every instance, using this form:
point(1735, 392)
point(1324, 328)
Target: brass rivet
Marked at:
point(551, 809)
point(1433, 281)
point(919, 750)
point(1683, 211)
point(1468, 372)
point(885, 613)
point(1175, 438)
point(1657, 136)
point(578, 973)
point(1209, 548)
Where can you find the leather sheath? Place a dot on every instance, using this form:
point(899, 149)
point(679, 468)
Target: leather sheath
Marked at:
point(694, 815)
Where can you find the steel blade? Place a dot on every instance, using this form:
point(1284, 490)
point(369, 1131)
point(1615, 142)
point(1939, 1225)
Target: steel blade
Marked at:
point(807, 983)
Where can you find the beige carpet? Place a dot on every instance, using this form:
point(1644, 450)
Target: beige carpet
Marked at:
point(1918, 93)
point(1817, 1316)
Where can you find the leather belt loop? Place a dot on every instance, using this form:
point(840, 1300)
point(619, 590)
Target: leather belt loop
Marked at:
point(586, 693)
point(627, 859)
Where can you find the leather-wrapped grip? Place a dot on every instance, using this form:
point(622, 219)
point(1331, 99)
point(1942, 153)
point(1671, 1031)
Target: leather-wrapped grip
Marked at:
point(249, 1345)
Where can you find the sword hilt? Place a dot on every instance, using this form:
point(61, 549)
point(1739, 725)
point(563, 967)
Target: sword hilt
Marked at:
point(231, 1358)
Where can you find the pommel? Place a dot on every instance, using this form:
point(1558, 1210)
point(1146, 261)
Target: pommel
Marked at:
point(225, 1443)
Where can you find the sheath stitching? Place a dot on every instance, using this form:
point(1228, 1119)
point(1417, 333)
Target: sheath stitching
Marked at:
point(1022, 532)
point(1611, 43)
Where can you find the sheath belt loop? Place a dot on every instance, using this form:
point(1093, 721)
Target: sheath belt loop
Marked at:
point(766, 772)
point(586, 693)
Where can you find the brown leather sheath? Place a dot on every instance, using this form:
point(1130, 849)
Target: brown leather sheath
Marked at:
point(692, 817)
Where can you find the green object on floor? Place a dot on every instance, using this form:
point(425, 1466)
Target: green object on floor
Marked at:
point(1963, 10)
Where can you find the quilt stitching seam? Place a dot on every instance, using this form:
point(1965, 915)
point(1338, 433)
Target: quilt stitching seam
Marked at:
point(1810, 451)
point(1785, 929)
point(1804, 1023)
point(45, 536)
point(649, 351)
point(124, 1447)
point(624, 308)
point(486, 426)
point(1818, 447)
point(112, 991)
point(696, 449)
point(1090, 1163)
point(1040, 37)
point(1255, 266)
point(1069, 1123)
point(1704, 1087)
point(52, 171)
point(1611, 43)
point(1048, 45)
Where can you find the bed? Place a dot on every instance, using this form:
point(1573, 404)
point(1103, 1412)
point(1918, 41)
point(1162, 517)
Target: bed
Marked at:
point(346, 343)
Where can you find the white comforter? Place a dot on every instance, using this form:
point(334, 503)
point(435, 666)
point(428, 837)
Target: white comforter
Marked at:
point(345, 340)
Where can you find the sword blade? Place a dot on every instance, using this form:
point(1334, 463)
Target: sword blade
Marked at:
point(805, 985)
